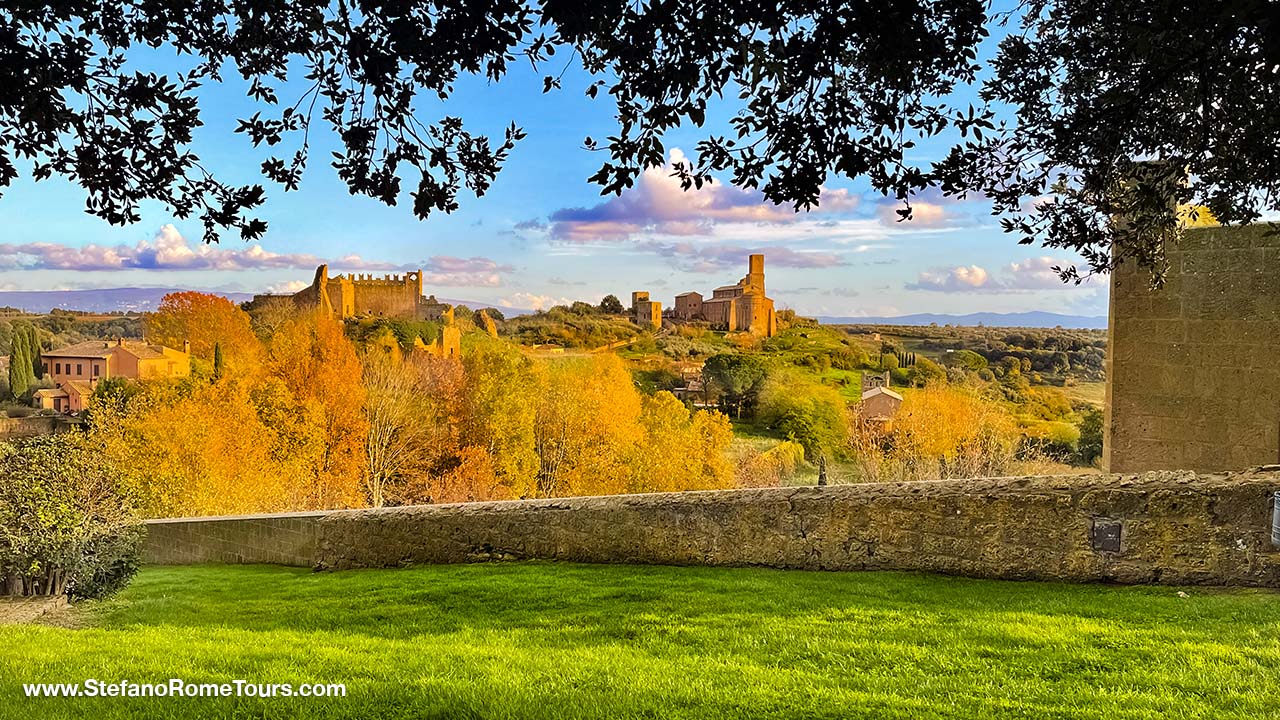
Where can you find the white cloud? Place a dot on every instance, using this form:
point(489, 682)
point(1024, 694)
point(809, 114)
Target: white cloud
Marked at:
point(963, 278)
point(531, 301)
point(168, 250)
point(1032, 274)
point(288, 287)
point(1037, 273)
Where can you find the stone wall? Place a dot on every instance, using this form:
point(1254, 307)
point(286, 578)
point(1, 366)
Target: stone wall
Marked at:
point(31, 426)
point(1194, 367)
point(284, 539)
point(1175, 528)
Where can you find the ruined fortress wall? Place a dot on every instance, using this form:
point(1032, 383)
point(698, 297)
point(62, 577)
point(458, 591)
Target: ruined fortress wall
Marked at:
point(396, 297)
point(1194, 367)
point(1175, 528)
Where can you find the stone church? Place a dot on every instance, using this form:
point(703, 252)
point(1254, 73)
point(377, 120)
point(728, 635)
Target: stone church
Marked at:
point(743, 307)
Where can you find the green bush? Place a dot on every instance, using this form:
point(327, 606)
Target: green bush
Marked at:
point(813, 415)
point(1090, 444)
point(66, 525)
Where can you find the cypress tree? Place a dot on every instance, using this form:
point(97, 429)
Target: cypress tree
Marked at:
point(19, 364)
point(37, 356)
point(217, 361)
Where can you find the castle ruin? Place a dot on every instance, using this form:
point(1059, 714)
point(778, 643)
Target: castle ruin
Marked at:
point(349, 296)
point(346, 297)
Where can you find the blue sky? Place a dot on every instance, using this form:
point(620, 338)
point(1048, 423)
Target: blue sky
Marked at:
point(543, 234)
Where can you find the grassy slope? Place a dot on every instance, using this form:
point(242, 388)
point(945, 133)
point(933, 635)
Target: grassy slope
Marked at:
point(562, 641)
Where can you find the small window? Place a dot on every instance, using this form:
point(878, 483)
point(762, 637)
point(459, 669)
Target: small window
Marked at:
point(97, 370)
point(57, 368)
point(79, 369)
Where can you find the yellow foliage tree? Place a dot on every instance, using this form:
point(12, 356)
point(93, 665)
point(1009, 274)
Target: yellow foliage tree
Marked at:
point(680, 450)
point(939, 432)
point(587, 421)
point(222, 464)
point(499, 408)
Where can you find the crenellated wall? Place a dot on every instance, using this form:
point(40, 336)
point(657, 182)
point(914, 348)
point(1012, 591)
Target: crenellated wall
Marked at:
point(1176, 528)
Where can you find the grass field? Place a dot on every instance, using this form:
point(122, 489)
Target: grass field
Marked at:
point(536, 640)
point(1093, 393)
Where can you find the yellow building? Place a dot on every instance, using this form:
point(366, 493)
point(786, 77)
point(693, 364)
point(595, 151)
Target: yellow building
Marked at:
point(76, 369)
point(646, 312)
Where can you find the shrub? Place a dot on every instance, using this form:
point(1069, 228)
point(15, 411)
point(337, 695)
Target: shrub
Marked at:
point(65, 524)
point(771, 468)
point(1090, 444)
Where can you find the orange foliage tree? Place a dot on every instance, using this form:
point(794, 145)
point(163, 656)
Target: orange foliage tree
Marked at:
point(206, 321)
point(321, 371)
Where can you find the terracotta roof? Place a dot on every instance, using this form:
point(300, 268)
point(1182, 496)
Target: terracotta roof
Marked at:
point(89, 348)
point(880, 390)
point(104, 348)
point(145, 351)
point(80, 387)
point(685, 294)
point(50, 392)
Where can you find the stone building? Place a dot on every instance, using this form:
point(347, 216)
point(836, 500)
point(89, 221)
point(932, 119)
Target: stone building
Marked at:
point(1193, 367)
point(743, 307)
point(879, 404)
point(646, 312)
point(357, 295)
point(76, 369)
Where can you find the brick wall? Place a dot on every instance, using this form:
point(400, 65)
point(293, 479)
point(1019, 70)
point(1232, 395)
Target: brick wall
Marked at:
point(1176, 528)
point(1194, 367)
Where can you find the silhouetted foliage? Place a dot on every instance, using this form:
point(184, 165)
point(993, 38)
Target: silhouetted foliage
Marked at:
point(846, 88)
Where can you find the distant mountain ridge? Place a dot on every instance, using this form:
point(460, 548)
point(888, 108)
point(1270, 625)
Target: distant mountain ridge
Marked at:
point(107, 300)
point(1031, 319)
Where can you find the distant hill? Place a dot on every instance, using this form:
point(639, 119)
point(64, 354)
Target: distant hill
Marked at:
point(144, 300)
point(103, 300)
point(1033, 319)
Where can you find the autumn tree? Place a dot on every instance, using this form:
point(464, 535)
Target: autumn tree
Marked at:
point(587, 422)
point(396, 417)
point(680, 449)
point(207, 322)
point(939, 432)
point(223, 464)
point(499, 411)
point(319, 367)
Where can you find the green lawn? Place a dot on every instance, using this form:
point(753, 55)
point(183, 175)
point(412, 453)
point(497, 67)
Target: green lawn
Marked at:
point(538, 640)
